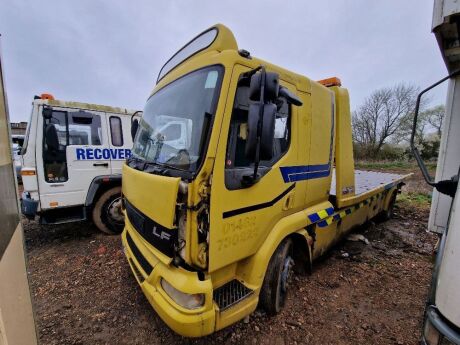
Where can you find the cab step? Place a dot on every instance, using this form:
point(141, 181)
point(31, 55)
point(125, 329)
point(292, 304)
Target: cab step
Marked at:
point(230, 294)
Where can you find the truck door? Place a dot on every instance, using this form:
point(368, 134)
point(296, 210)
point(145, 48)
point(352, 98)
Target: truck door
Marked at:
point(242, 216)
point(120, 140)
point(75, 150)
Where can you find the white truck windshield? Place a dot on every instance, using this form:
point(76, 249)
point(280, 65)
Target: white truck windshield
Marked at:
point(174, 127)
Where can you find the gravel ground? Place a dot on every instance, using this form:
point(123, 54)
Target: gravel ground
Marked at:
point(84, 292)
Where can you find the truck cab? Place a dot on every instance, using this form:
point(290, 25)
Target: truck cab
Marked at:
point(442, 311)
point(71, 162)
point(265, 184)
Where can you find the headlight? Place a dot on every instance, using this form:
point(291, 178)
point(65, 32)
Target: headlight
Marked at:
point(430, 333)
point(189, 301)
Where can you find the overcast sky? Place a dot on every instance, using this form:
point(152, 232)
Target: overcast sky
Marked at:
point(110, 52)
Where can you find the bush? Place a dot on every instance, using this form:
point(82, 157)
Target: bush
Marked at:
point(430, 149)
point(387, 152)
point(391, 153)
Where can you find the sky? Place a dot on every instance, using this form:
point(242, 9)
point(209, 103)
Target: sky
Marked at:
point(110, 52)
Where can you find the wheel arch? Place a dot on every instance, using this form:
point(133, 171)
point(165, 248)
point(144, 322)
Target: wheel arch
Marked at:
point(98, 186)
point(252, 270)
point(392, 193)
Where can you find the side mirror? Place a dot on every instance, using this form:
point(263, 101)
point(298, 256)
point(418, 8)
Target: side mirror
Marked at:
point(47, 112)
point(134, 128)
point(290, 97)
point(270, 86)
point(51, 137)
point(266, 113)
point(135, 123)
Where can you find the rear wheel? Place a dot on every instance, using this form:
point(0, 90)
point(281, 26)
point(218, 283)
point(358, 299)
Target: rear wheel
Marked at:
point(107, 214)
point(277, 278)
point(388, 213)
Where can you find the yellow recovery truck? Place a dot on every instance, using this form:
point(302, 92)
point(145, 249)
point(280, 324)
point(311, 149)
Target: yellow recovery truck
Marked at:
point(241, 171)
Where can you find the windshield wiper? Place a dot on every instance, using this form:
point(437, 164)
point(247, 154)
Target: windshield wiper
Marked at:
point(164, 165)
point(142, 163)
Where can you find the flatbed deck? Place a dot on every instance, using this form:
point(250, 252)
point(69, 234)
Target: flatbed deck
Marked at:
point(366, 181)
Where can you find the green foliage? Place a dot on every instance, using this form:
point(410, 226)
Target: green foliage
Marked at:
point(430, 149)
point(402, 165)
point(391, 152)
point(417, 199)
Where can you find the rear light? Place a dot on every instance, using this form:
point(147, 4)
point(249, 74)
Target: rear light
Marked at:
point(188, 301)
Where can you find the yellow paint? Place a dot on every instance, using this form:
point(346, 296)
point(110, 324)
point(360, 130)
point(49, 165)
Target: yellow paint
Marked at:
point(239, 245)
point(344, 161)
point(158, 200)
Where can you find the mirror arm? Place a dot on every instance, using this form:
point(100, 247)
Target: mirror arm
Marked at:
point(260, 123)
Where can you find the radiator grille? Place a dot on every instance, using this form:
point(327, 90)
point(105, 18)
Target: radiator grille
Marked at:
point(230, 294)
point(157, 235)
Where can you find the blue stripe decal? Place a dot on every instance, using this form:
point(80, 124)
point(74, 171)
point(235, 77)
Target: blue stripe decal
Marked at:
point(322, 224)
point(314, 217)
point(304, 172)
point(330, 210)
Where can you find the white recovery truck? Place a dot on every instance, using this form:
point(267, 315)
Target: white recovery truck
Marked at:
point(442, 312)
point(71, 162)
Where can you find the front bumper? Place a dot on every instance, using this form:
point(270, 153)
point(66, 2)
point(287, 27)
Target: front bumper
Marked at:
point(186, 322)
point(29, 206)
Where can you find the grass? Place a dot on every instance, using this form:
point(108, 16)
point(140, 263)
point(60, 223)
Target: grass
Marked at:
point(419, 199)
point(393, 165)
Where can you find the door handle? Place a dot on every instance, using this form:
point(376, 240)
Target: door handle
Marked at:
point(289, 202)
point(100, 165)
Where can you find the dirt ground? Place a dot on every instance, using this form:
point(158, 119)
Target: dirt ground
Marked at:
point(84, 292)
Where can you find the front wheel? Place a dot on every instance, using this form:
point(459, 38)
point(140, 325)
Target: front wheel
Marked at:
point(277, 278)
point(107, 214)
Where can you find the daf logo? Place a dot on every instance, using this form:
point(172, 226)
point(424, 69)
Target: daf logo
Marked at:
point(161, 234)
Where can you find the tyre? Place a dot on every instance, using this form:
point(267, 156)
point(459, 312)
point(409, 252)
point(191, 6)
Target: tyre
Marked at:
point(277, 278)
point(107, 214)
point(388, 213)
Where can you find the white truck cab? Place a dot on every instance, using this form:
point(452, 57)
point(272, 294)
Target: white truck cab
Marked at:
point(442, 310)
point(71, 162)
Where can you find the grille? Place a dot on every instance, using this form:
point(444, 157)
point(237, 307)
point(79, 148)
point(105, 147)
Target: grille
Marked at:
point(157, 235)
point(230, 294)
point(137, 273)
point(138, 255)
point(135, 217)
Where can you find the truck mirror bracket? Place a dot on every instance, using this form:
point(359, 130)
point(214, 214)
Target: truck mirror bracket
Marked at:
point(447, 187)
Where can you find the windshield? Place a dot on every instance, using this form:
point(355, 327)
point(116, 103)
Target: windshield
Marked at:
point(174, 126)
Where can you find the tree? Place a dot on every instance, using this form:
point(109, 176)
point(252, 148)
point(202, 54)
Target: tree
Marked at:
point(435, 117)
point(384, 114)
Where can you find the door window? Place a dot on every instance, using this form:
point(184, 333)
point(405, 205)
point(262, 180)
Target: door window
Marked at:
point(84, 128)
point(236, 163)
point(63, 129)
point(55, 139)
point(116, 131)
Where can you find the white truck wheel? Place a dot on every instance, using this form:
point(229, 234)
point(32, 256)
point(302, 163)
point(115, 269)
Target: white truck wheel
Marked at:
point(107, 214)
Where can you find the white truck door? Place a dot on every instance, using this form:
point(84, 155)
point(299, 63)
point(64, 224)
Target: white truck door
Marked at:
point(120, 140)
point(80, 152)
